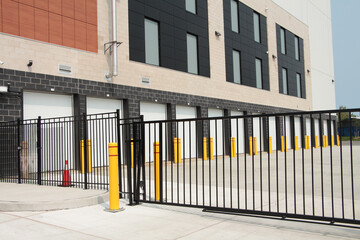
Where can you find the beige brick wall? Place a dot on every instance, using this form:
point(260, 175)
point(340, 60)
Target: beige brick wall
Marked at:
point(16, 52)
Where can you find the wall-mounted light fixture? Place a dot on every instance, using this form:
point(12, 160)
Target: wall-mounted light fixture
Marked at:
point(218, 34)
point(30, 63)
point(274, 57)
point(1, 63)
point(308, 71)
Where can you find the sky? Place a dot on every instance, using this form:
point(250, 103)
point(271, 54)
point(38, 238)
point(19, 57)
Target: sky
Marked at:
point(346, 43)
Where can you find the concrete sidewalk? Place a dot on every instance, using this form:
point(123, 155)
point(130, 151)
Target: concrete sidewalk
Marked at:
point(146, 221)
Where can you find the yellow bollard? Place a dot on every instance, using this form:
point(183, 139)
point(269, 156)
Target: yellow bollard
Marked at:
point(177, 150)
point(157, 170)
point(250, 146)
point(270, 145)
point(316, 142)
point(286, 147)
point(255, 146)
point(113, 177)
point(332, 140)
point(204, 149)
point(338, 140)
point(25, 160)
point(282, 143)
point(306, 142)
point(324, 141)
point(88, 153)
point(211, 148)
point(233, 144)
point(296, 143)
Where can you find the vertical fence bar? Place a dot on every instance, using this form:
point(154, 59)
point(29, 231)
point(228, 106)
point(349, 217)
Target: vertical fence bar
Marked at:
point(119, 150)
point(19, 150)
point(39, 149)
point(85, 151)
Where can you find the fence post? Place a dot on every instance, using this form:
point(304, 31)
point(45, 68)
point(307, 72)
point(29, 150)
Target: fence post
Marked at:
point(85, 150)
point(160, 162)
point(119, 150)
point(39, 149)
point(19, 150)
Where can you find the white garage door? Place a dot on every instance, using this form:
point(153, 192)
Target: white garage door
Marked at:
point(57, 138)
point(288, 132)
point(47, 105)
point(258, 129)
point(297, 128)
point(272, 132)
point(186, 130)
point(237, 131)
point(102, 129)
point(101, 105)
point(216, 130)
point(153, 112)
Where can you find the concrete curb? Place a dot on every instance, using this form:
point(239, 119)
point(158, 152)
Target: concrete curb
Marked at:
point(24, 197)
point(19, 206)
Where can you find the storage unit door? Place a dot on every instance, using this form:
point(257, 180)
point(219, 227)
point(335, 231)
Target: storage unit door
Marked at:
point(237, 131)
point(153, 112)
point(288, 132)
point(102, 128)
point(216, 130)
point(297, 127)
point(186, 131)
point(57, 135)
point(272, 131)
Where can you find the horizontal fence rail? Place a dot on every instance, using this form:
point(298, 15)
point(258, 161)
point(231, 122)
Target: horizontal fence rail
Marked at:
point(297, 165)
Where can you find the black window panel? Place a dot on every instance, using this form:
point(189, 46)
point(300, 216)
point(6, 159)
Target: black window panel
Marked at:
point(289, 62)
point(244, 42)
point(174, 23)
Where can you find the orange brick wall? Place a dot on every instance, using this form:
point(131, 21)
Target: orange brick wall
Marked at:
point(71, 23)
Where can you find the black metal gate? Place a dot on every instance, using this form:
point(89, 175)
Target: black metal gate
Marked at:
point(293, 165)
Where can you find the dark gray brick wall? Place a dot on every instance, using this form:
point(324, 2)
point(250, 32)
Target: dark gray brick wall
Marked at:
point(11, 104)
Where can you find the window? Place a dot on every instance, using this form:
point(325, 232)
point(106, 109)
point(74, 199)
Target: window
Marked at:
point(284, 81)
point(282, 41)
point(298, 85)
point(257, 27)
point(236, 66)
point(234, 16)
point(192, 53)
point(258, 68)
point(151, 42)
point(190, 6)
point(297, 48)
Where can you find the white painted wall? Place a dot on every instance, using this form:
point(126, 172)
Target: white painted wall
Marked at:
point(217, 125)
point(153, 112)
point(317, 15)
point(258, 129)
point(187, 130)
point(237, 131)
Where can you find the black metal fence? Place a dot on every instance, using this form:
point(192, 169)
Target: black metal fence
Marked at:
point(53, 151)
point(293, 165)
